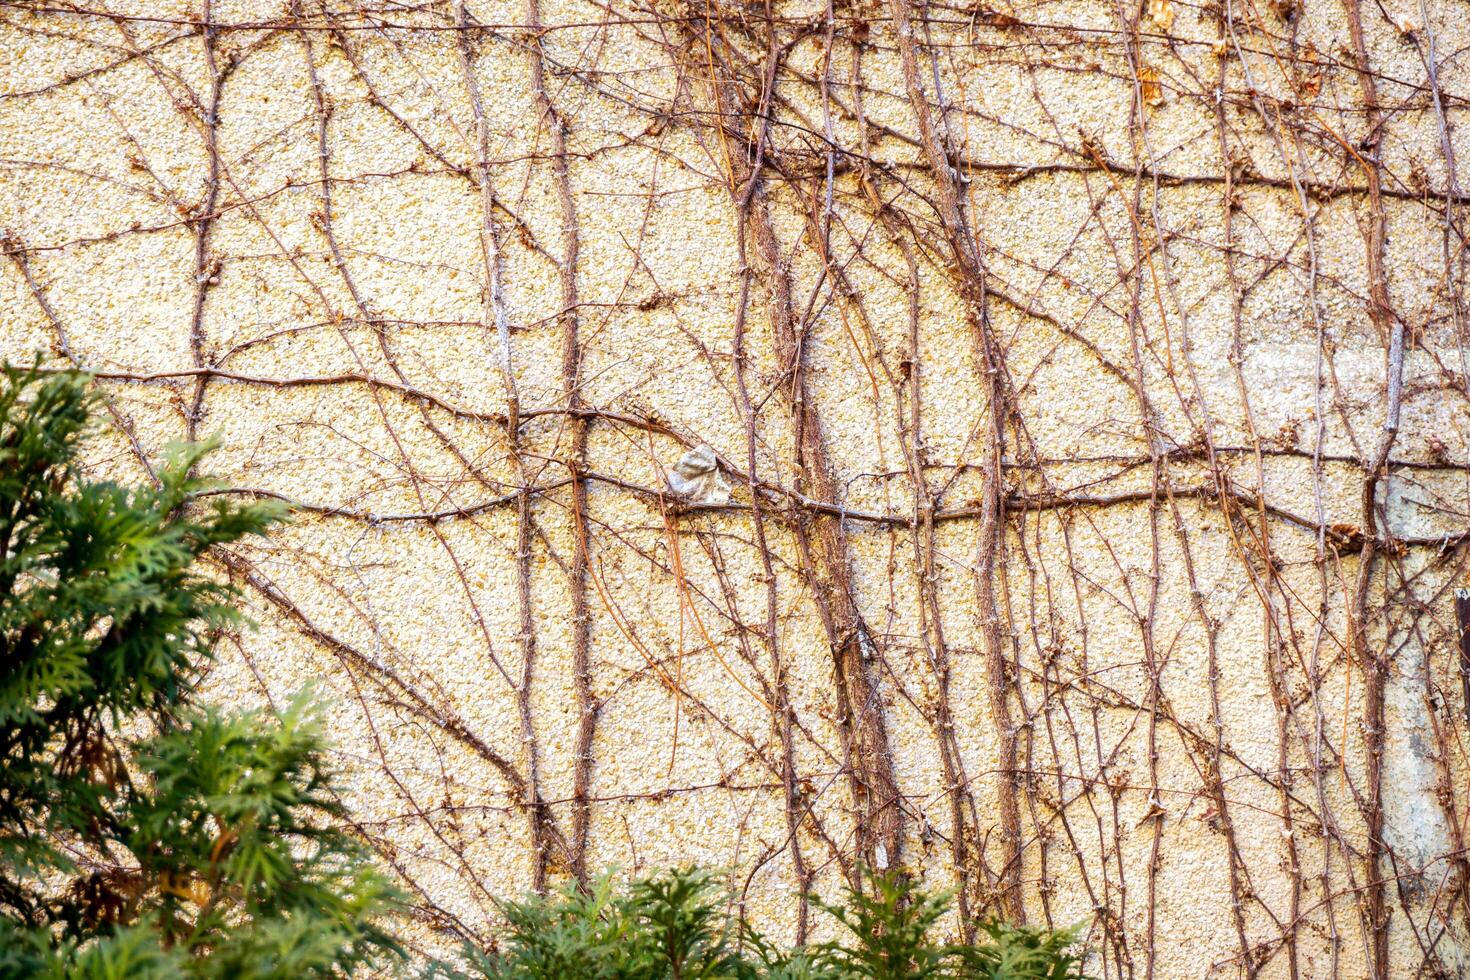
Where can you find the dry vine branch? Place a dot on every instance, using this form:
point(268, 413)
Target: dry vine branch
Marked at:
point(1092, 384)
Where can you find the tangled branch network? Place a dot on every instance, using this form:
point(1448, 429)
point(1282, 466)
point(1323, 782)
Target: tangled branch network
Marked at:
point(1022, 442)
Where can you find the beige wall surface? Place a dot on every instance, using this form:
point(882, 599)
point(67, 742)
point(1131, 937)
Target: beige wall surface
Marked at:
point(1084, 388)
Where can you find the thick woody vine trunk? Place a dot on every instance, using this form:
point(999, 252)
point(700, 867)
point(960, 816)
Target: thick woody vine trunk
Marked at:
point(824, 553)
point(745, 91)
point(571, 368)
point(970, 268)
point(1375, 663)
point(494, 313)
point(206, 273)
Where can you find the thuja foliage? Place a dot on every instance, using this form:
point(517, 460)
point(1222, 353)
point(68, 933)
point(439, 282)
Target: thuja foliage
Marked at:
point(140, 835)
point(678, 925)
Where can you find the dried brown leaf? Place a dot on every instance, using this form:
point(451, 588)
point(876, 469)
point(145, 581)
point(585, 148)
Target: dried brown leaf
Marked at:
point(1161, 14)
point(1148, 80)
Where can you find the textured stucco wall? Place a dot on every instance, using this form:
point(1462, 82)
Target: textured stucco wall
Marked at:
point(1167, 325)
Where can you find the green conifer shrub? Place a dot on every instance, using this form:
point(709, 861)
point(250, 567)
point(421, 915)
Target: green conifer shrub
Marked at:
point(142, 836)
point(679, 925)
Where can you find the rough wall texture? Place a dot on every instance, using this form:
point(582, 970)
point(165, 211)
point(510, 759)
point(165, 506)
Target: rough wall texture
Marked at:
point(1090, 381)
